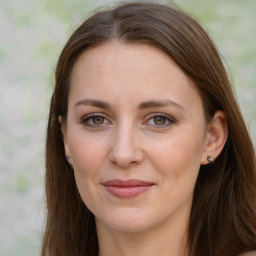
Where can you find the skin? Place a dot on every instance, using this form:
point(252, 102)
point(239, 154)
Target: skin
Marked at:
point(130, 137)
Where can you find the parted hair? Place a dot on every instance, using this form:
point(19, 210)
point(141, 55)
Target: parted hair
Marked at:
point(222, 221)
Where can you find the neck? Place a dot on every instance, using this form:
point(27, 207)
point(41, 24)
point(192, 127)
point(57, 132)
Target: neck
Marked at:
point(168, 239)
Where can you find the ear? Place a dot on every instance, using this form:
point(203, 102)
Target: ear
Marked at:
point(216, 137)
point(63, 128)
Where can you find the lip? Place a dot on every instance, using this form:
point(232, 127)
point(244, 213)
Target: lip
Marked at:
point(127, 188)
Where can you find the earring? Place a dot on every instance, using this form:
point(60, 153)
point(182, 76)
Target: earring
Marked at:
point(210, 160)
point(67, 158)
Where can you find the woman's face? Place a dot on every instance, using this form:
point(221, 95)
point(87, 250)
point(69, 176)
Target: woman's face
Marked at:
point(136, 135)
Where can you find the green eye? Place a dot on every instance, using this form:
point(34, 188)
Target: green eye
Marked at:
point(98, 120)
point(95, 121)
point(159, 120)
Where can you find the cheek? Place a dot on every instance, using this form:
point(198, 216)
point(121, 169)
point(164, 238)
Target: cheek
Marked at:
point(87, 152)
point(179, 157)
point(178, 165)
point(88, 156)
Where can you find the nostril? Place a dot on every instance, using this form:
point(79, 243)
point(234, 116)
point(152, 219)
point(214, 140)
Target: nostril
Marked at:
point(126, 158)
point(125, 150)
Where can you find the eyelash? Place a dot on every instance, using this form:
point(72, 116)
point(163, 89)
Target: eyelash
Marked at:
point(89, 117)
point(168, 120)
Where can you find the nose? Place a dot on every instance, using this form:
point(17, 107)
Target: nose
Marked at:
point(125, 151)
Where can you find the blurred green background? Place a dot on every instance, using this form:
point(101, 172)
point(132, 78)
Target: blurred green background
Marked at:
point(32, 34)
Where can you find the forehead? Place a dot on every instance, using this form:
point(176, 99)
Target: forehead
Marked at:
point(124, 57)
point(136, 71)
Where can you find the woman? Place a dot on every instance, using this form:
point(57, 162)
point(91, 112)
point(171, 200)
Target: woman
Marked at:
point(147, 152)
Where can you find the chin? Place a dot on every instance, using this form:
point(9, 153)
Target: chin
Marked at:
point(129, 221)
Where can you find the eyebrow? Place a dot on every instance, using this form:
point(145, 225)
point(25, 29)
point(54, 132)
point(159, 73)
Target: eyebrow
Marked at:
point(143, 105)
point(160, 103)
point(93, 102)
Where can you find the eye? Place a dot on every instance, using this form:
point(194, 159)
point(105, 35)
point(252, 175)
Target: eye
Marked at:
point(97, 120)
point(160, 119)
point(94, 120)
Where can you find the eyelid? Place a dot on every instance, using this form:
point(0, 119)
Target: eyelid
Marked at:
point(169, 118)
point(92, 115)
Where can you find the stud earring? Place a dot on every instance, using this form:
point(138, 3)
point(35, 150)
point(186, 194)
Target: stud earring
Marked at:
point(210, 160)
point(67, 158)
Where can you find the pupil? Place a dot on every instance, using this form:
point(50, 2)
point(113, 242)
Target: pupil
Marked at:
point(159, 120)
point(98, 120)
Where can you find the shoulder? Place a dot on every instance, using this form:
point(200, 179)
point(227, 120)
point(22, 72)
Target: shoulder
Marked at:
point(252, 253)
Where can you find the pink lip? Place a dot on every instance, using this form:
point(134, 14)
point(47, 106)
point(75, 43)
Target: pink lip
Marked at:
point(127, 188)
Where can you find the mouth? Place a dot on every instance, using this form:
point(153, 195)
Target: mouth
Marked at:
point(127, 188)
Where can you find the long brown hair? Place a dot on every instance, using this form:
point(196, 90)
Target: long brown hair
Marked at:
point(223, 215)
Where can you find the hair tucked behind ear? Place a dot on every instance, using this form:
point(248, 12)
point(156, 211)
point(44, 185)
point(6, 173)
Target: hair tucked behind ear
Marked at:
point(223, 215)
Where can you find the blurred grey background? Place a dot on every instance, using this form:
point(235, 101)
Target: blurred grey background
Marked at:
point(32, 34)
